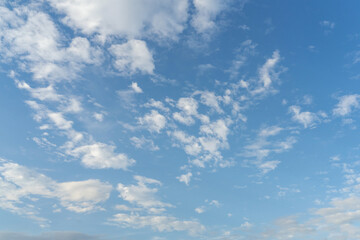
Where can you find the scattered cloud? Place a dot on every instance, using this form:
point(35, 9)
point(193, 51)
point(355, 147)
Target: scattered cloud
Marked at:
point(246, 49)
point(158, 223)
point(261, 148)
point(144, 143)
point(21, 185)
point(150, 209)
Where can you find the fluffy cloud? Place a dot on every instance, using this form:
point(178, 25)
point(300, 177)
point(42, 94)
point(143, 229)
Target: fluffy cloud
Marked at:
point(206, 12)
point(346, 104)
point(100, 155)
point(132, 57)
point(128, 19)
point(188, 107)
point(211, 100)
point(308, 119)
point(142, 195)
point(185, 178)
point(32, 37)
point(205, 148)
point(20, 185)
point(82, 196)
point(136, 87)
point(154, 121)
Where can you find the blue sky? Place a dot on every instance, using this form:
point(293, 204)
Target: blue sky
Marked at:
point(179, 119)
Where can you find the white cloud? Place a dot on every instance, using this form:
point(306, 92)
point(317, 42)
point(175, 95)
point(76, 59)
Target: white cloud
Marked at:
point(188, 106)
point(327, 24)
point(58, 119)
point(144, 143)
point(158, 223)
point(128, 95)
point(214, 203)
point(203, 68)
point(99, 116)
point(270, 131)
point(154, 121)
point(20, 186)
point(100, 155)
point(288, 228)
point(218, 129)
point(335, 158)
point(142, 195)
point(32, 37)
point(71, 105)
point(266, 70)
point(136, 87)
point(68, 104)
point(183, 118)
point(308, 119)
point(346, 104)
point(246, 226)
point(200, 210)
point(82, 196)
point(337, 221)
point(307, 99)
point(133, 57)
point(210, 99)
point(127, 19)
point(206, 147)
point(44, 94)
point(246, 49)
point(206, 12)
point(185, 178)
point(262, 148)
point(156, 104)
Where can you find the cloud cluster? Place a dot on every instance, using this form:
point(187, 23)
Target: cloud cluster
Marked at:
point(147, 210)
point(80, 145)
point(20, 186)
point(262, 148)
point(31, 39)
point(128, 19)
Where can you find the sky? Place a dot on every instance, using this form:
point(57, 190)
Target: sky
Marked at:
point(179, 119)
